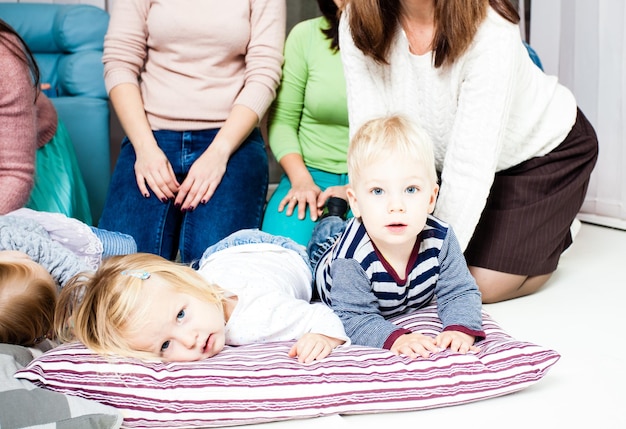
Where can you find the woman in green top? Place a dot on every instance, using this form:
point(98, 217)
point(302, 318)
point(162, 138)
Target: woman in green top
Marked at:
point(308, 126)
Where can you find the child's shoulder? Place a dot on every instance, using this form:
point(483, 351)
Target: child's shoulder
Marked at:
point(436, 227)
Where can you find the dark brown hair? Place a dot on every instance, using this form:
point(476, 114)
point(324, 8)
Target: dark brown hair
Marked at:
point(331, 12)
point(373, 24)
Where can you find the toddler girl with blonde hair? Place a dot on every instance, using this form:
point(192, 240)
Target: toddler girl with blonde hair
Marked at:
point(251, 287)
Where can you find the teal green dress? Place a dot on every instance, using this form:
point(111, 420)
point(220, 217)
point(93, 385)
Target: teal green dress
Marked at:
point(59, 185)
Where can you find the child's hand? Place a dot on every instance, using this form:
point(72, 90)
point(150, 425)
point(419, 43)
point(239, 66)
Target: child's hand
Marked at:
point(312, 347)
point(414, 345)
point(457, 342)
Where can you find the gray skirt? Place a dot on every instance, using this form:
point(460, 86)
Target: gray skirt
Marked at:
point(525, 225)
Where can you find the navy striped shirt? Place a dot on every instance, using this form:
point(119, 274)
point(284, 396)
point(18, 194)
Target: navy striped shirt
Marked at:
point(363, 289)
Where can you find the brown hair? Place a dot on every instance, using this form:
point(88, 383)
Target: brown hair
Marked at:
point(373, 24)
point(331, 12)
point(27, 304)
point(100, 308)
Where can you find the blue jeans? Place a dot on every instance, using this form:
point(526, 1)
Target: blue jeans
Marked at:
point(115, 243)
point(250, 236)
point(325, 233)
point(161, 228)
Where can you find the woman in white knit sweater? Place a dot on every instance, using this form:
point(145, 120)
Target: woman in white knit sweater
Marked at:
point(513, 150)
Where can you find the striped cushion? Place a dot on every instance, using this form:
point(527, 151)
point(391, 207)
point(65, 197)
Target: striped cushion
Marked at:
point(260, 383)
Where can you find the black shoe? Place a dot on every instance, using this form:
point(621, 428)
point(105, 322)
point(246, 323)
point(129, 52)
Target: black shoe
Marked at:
point(335, 206)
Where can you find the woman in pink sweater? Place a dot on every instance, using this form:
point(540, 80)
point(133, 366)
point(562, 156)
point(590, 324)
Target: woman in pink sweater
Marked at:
point(38, 167)
point(190, 82)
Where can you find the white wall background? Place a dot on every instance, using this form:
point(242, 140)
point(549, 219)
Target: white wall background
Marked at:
point(584, 43)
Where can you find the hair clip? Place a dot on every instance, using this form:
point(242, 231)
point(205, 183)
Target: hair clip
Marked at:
point(140, 274)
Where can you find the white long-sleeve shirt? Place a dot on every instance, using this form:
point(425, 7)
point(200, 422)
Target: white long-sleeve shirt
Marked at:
point(490, 110)
point(274, 287)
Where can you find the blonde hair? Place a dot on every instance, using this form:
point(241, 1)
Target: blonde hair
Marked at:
point(27, 304)
point(390, 135)
point(99, 309)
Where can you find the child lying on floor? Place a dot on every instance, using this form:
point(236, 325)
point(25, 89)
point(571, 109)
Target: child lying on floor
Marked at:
point(251, 287)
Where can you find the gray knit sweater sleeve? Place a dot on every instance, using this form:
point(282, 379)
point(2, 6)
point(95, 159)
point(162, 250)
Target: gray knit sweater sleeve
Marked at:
point(28, 236)
point(352, 299)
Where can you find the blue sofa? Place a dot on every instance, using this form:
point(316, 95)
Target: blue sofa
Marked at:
point(67, 41)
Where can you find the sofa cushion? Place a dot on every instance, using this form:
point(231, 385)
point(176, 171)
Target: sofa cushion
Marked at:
point(73, 27)
point(71, 60)
point(72, 79)
point(80, 28)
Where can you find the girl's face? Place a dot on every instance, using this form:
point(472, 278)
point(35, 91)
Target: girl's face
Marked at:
point(178, 327)
point(339, 4)
point(392, 197)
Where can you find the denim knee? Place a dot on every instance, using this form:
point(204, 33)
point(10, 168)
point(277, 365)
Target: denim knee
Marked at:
point(254, 236)
point(236, 204)
point(115, 243)
point(325, 233)
point(127, 211)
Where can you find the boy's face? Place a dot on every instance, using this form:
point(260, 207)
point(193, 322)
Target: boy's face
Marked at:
point(393, 197)
point(178, 327)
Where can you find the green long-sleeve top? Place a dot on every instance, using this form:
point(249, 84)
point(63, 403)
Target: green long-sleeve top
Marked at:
point(310, 113)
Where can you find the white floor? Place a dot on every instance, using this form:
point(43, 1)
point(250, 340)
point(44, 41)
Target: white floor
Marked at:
point(581, 313)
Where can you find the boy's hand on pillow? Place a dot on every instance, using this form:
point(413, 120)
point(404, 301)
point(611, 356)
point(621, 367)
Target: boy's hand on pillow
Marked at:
point(414, 345)
point(312, 347)
point(457, 342)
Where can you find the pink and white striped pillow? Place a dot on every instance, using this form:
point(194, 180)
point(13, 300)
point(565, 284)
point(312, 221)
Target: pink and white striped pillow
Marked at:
point(260, 383)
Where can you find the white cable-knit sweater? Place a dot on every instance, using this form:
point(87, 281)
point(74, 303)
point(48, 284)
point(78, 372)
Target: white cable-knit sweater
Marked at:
point(492, 109)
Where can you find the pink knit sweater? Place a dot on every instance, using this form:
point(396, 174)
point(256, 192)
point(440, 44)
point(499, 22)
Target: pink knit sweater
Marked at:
point(194, 60)
point(25, 125)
